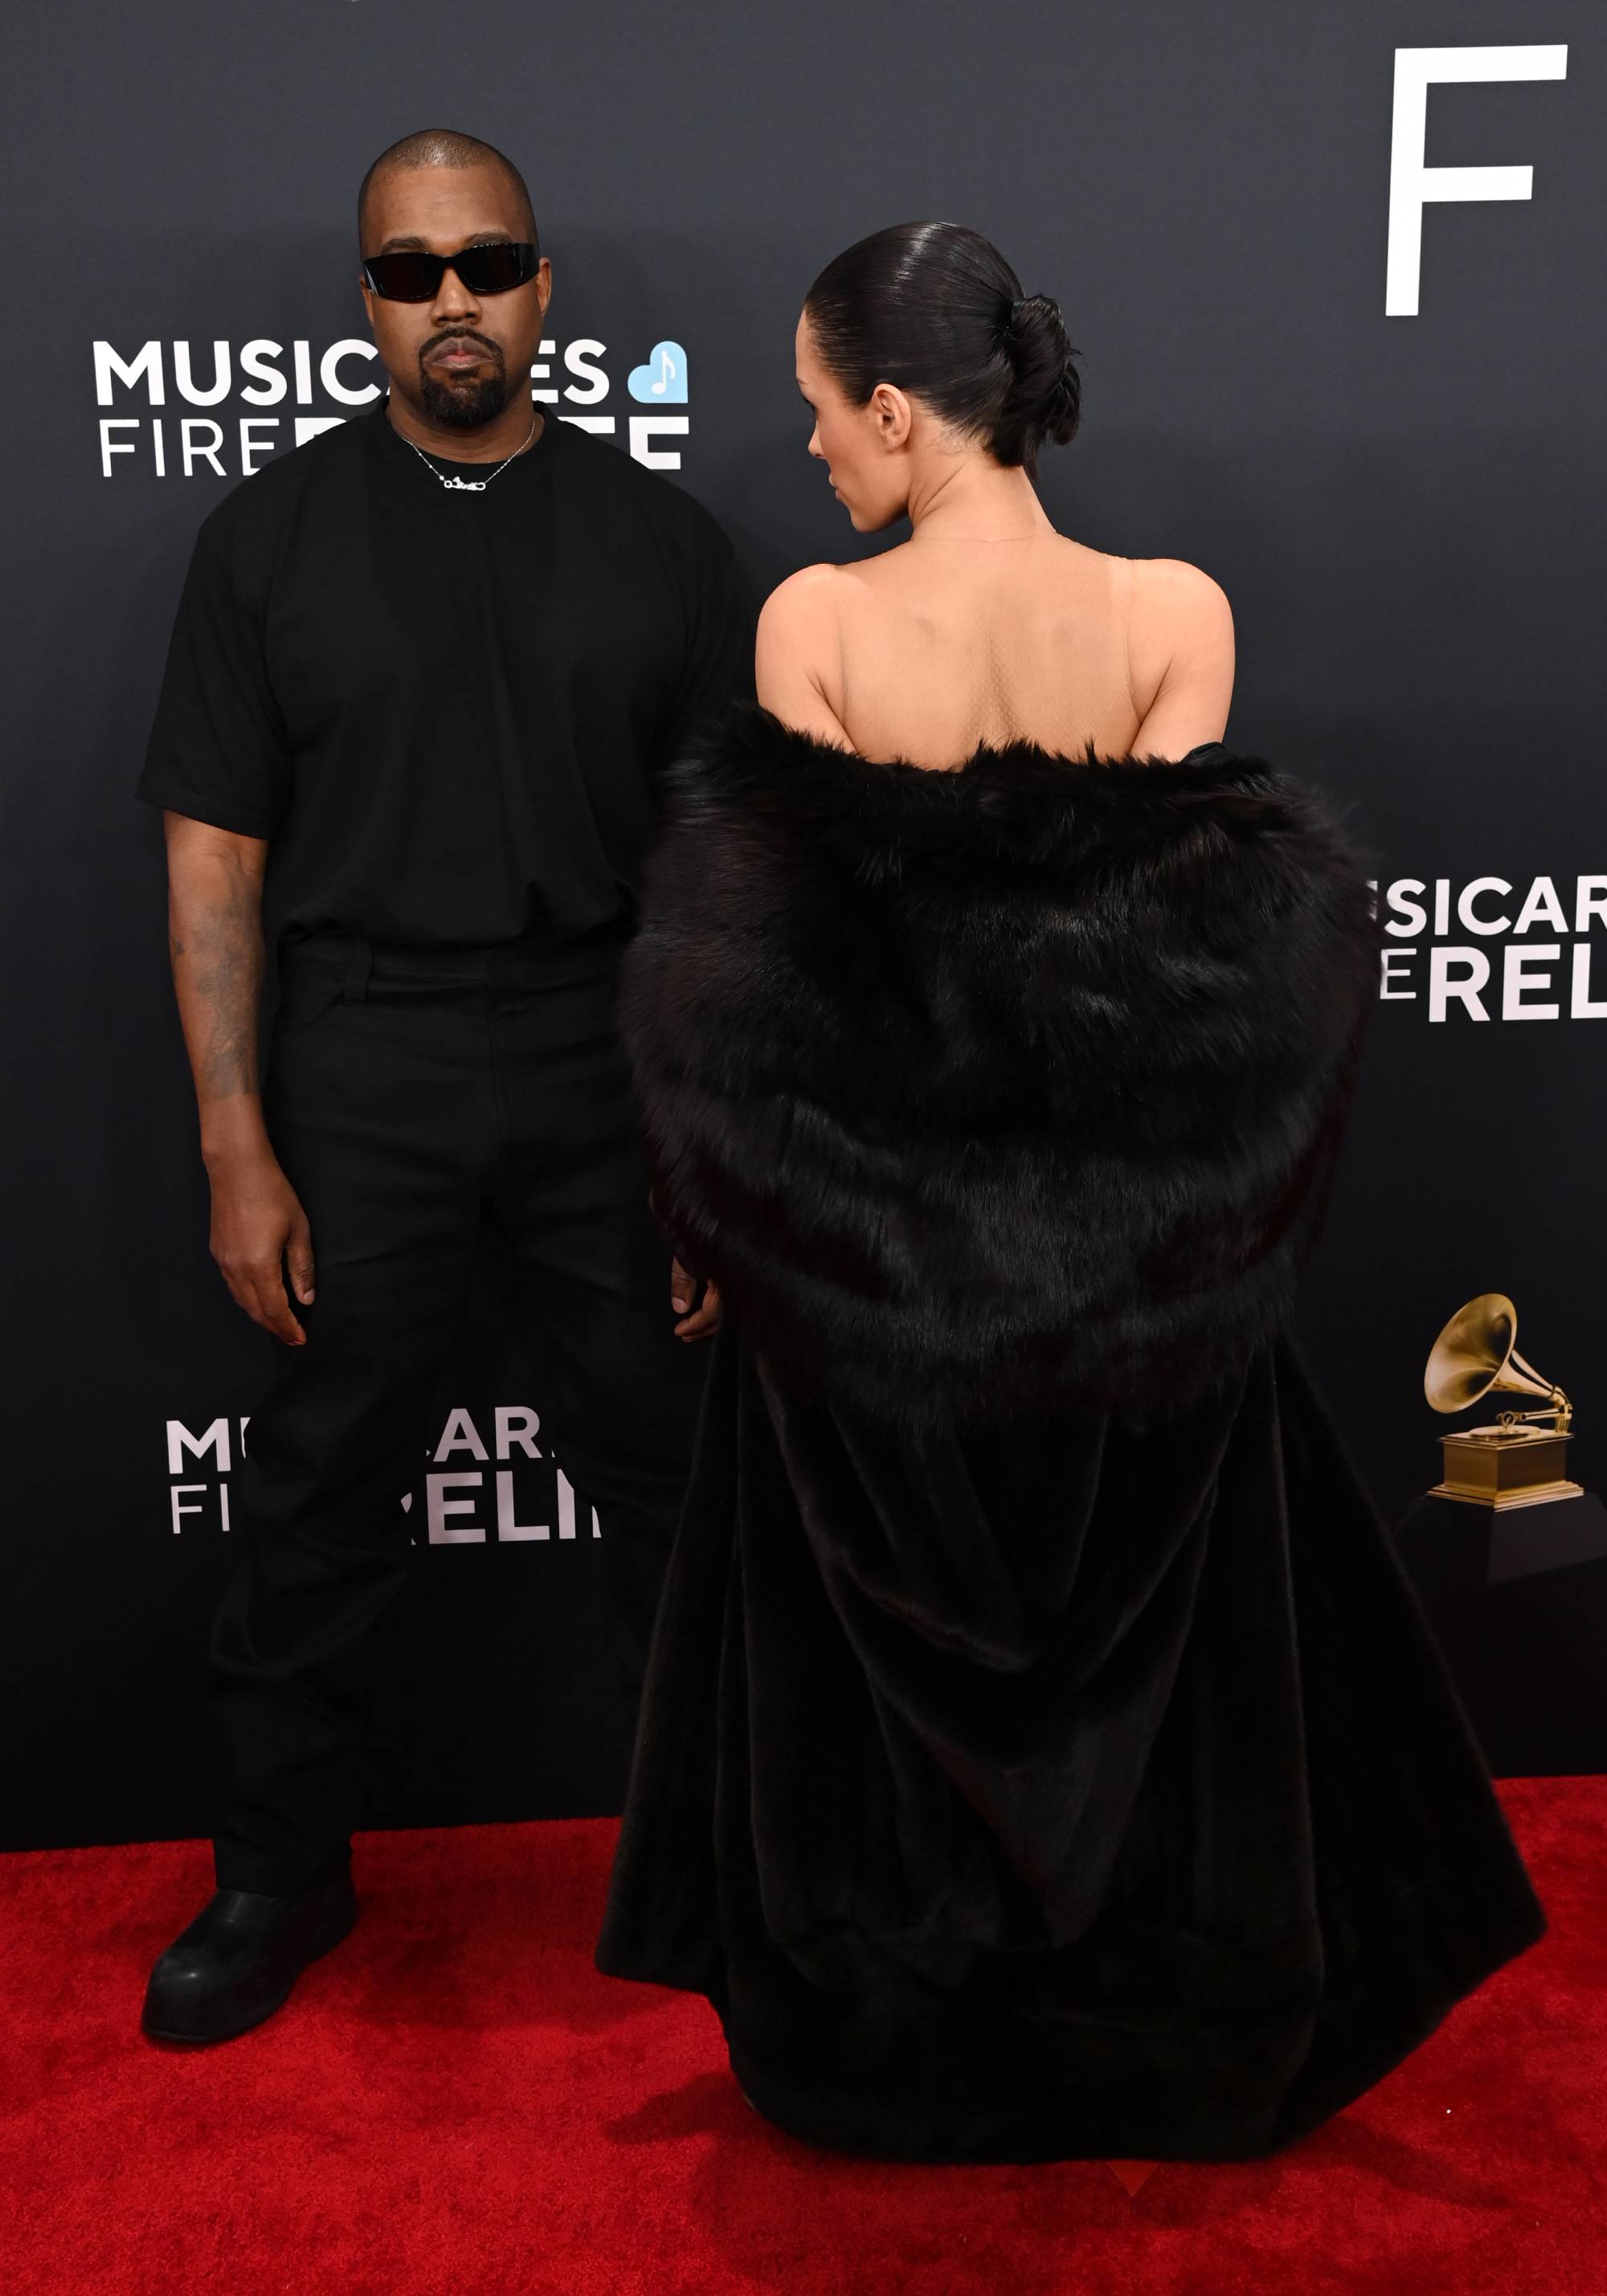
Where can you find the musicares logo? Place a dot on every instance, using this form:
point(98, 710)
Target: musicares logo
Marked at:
point(512, 1492)
point(1549, 979)
point(235, 440)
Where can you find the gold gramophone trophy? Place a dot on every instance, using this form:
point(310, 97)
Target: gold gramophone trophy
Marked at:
point(1511, 1461)
point(1509, 1554)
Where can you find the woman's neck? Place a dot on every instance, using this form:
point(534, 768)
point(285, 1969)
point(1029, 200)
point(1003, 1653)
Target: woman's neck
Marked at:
point(971, 497)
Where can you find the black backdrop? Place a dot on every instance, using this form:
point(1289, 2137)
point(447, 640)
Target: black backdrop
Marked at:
point(1404, 506)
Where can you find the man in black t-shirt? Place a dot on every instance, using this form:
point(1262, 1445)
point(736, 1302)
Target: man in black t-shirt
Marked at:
point(423, 672)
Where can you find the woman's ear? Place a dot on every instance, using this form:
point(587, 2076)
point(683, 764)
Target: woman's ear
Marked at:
point(892, 413)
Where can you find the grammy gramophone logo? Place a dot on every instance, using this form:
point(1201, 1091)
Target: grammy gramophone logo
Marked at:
point(1519, 1460)
point(1510, 1462)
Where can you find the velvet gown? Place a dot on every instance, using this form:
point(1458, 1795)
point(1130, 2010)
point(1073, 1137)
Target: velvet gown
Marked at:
point(1043, 1753)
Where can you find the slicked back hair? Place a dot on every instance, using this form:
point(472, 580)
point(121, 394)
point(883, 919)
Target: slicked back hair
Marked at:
point(935, 309)
point(442, 147)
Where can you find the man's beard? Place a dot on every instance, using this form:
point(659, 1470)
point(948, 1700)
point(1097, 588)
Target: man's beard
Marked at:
point(468, 404)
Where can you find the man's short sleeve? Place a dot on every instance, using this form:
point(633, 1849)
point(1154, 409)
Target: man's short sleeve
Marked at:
point(217, 749)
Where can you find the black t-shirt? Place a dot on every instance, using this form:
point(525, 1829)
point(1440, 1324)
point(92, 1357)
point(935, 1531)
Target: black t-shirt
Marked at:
point(445, 710)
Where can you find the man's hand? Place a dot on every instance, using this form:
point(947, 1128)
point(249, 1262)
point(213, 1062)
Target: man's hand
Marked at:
point(260, 1231)
point(699, 1320)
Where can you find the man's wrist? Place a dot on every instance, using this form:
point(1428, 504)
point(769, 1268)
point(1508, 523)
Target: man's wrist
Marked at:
point(232, 1130)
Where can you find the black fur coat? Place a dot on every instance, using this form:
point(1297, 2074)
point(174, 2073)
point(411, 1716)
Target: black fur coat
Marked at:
point(984, 1088)
point(1042, 1751)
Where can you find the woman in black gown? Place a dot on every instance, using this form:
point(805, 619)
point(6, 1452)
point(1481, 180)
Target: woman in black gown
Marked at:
point(1043, 1753)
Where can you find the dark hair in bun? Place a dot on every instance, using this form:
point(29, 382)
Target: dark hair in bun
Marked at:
point(935, 309)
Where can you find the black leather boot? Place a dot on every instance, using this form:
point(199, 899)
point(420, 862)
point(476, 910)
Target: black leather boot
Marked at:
point(237, 1961)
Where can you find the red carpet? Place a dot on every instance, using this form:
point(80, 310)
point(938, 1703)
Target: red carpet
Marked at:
point(455, 2105)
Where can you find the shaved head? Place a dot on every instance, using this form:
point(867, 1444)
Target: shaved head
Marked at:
point(442, 147)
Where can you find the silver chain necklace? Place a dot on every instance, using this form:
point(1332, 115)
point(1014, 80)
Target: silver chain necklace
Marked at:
point(471, 486)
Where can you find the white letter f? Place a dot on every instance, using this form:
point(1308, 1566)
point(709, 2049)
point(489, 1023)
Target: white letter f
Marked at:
point(1411, 183)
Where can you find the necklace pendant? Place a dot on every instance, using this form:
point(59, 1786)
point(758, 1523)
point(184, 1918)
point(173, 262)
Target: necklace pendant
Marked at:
point(457, 486)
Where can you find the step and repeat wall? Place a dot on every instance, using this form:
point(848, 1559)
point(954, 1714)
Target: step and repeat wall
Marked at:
point(1339, 304)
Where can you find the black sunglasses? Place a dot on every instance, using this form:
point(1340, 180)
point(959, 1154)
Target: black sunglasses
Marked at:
point(411, 275)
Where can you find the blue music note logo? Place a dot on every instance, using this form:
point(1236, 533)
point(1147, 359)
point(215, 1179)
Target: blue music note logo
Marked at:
point(662, 381)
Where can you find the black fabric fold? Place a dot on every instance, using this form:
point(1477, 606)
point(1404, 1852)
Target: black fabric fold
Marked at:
point(1043, 1752)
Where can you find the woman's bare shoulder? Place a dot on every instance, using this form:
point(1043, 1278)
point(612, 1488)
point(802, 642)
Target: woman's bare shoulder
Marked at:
point(1180, 655)
point(798, 652)
point(804, 598)
point(1176, 600)
point(798, 623)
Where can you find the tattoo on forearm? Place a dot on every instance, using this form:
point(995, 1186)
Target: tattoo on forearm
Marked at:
point(218, 972)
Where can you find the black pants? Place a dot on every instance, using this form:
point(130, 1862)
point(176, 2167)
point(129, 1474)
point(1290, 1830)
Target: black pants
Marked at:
point(410, 1097)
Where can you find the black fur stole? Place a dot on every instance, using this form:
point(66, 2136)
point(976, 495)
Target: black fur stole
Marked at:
point(982, 1091)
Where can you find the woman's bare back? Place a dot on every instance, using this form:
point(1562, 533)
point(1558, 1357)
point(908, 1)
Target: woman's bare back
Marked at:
point(947, 641)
